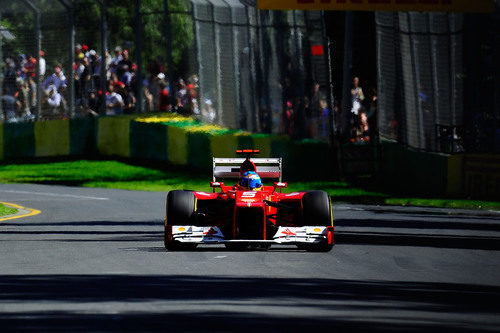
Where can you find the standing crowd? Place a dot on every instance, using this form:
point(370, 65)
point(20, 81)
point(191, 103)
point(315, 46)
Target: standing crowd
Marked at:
point(19, 100)
point(118, 96)
point(19, 91)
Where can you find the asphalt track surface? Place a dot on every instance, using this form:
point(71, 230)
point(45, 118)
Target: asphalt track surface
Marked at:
point(93, 260)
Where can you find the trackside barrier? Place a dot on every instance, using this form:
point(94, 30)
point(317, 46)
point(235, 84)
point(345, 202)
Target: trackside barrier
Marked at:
point(428, 173)
point(129, 137)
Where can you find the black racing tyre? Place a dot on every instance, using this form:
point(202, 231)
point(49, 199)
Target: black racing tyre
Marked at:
point(316, 209)
point(180, 207)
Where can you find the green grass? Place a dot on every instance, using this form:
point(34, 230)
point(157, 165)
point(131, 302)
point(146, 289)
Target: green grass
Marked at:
point(157, 177)
point(4, 210)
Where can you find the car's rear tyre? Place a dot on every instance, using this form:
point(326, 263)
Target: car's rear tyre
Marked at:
point(317, 211)
point(180, 207)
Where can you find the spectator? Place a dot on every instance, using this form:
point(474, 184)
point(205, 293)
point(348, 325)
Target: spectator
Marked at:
point(154, 89)
point(21, 62)
point(315, 97)
point(10, 106)
point(116, 82)
point(193, 99)
point(32, 96)
point(114, 102)
point(357, 96)
point(148, 97)
point(82, 79)
point(30, 67)
point(54, 102)
point(182, 97)
point(208, 112)
point(24, 98)
point(96, 71)
point(57, 79)
point(93, 103)
point(113, 64)
point(78, 49)
point(42, 65)
point(129, 101)
point(9, 80)
point(324, 121)
point(124, 65)
point(164, 104)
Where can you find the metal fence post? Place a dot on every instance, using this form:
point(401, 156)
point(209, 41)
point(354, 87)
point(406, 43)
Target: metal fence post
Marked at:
point(71, 48)
point(329, 96)
point(326, 59)
point(138, 53)
point(240, 117)
point(220, 110)
point(38, 47)
point(254, 111)
point(170, 61)
point(346, 91)
point(1, 69)
point(299, 130)
point(102, 74)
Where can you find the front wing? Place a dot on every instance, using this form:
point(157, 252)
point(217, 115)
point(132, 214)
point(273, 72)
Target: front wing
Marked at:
point(284, 235)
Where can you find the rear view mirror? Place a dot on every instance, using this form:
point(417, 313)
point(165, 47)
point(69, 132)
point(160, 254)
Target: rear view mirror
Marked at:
point(280, 185)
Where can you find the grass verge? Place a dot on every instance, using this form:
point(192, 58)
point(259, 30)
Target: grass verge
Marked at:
point(156, 177)
point(4, 210)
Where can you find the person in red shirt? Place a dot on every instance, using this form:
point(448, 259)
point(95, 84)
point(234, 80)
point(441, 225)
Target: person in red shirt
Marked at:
point(30, 67)
point(164, 104)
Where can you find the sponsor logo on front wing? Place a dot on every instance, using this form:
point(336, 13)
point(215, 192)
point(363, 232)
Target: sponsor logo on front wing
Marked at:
point(288, 232)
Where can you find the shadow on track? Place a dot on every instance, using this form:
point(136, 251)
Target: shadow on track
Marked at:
point(371, 236)
point(418, 224)
point(419, 240)
point(360, 298)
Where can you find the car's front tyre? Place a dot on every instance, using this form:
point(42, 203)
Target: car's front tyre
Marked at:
point(317, 211)
point(180, 207)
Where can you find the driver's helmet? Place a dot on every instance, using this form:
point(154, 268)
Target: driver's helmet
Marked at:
point(250, 180)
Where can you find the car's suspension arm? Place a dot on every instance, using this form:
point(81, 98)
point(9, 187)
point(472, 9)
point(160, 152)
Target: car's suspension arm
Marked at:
point(279, 205)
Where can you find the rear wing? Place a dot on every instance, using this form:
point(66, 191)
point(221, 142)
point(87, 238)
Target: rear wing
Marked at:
point(230, 167)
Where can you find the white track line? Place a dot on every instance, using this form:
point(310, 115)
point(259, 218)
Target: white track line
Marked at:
point(55, 195)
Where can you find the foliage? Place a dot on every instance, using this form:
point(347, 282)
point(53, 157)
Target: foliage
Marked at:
point(190, 124)
point(121, 23)
point(122, 29)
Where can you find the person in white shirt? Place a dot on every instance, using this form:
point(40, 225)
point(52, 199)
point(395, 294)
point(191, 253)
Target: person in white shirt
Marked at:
point(54, 97)
point(57, 79)
point(114, 102)
point(42, 64)
point(357, 96)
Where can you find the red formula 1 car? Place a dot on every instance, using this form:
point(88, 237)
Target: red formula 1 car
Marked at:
point(241, 218)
